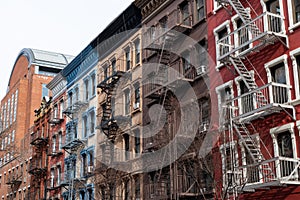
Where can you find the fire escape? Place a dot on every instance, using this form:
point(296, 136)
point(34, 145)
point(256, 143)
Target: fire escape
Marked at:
point(37, 166)
point(259, 101)
point(73, 144)
point(157, 89)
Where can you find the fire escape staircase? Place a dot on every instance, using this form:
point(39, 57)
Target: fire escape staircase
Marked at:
point(108, 124)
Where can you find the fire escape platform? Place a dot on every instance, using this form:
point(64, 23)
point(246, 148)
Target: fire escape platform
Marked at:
point(73, 144)
point(265, 35)
point(262, 112)
point(39, 141)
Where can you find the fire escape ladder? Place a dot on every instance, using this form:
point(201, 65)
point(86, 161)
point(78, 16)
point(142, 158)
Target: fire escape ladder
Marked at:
point(252, 147)
point(248, 79)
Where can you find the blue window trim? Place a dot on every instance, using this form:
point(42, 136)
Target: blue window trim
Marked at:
point(85, 114)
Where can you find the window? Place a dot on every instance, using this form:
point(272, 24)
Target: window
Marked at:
point(8, 139)
point(137, 188)
point(52, 175)
point(285, 147)
point(54, 144)
point(92, 121)
point(284, 141)
point(58, 175)
point(61, 109)
point(186, 61)
point(295, 56)
point(76, 94)
point(229, 163)
point(11, 109)
point(163, 22)
point(45, 90)
point(222, 40)
point(105, 73)
point(70, 98)
point(127, 58)
point(60, 141)
point(93, 81)
point(82, 195)
point(137, 143)
point(224, 93)
point(127, 101)
point(137, 96)
point(247, 101)
point(84, 164)
point(113, 65)
point(85, 126)
point(185, 14)
point(16, 104)
point(8, 111)
point(126, 146)
point(86, 87)
point(137, 51)
point(55, 111)
point(294, 11)
point(277, 71)
point(127, 190)
point(200, 10)
point(90, 193)
point(242, 35)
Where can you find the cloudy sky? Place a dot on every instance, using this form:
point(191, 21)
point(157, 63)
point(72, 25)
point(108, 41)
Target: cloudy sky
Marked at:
point(63, 26)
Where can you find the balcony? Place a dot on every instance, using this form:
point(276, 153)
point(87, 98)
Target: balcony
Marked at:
point(175, 24)
point(261, 31)
point(155, 82)
point(38, 138)
point(36, 167)
point(14, 179)
point(278, 171)
point(72, 142)
point(75, 107)
point(252, 105)
point(55, 183)
point(69, 178)
point(55, 118)
point(158, 190)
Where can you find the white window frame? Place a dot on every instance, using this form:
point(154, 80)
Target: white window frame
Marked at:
point(265, 17)
point(274, 62)
point(292, 24)
point(293, 55)
point(223, 158)
point(237, 83)
point(218, 91)
point(226, 25)
point(216, 6)
point(275, 131)
point(236, 38)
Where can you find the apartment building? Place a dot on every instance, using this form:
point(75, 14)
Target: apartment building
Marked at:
point(80, 137)
point(32, 70)
point(254, 46)
point(119, 165)
point(175, 39)
point(57, 133)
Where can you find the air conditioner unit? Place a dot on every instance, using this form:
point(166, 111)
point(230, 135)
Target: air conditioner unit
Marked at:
point(90, 169)
point(200, 70)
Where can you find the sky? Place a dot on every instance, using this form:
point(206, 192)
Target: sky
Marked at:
point(62, 26)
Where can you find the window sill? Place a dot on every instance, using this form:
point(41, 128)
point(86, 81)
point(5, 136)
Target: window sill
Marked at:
point(217, 9)
point(136, 110)
point(92, 97)
point(294, 26)
point(219, 66)
point(91, 134)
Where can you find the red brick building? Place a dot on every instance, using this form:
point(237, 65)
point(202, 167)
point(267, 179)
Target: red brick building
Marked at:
point(31, 72)
point(254, 71)
point(56, 154)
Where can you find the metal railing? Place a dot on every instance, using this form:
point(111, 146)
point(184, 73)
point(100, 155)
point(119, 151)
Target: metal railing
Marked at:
point(165, 77)
point(158, 190)
point(267, 23)
point(175, 21)
point(275, 169)
point(255, 99)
